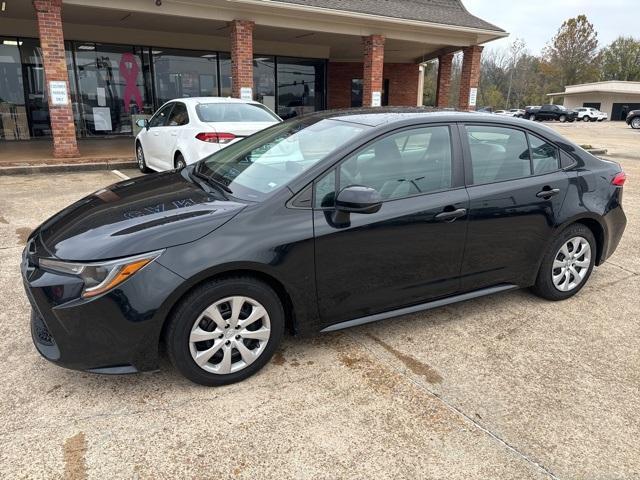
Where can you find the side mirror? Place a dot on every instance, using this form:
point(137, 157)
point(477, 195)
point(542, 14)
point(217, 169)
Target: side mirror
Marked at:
point(142, 123)
point(358, 199)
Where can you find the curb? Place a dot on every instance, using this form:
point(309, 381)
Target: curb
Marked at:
point(66, 167)
point(597, 151)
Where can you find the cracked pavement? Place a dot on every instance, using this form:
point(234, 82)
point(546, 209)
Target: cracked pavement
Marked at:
point(508, 386)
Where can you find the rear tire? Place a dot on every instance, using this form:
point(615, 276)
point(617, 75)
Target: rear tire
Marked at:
point(209, 310)
point(562, 275)
point(562, 118)
point(635, 123)
point(585, 119)
point(179, 162)
point(532, 117)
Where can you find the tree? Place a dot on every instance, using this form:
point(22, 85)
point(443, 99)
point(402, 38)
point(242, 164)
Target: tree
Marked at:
point(572, 57)
point(516, 49)
point(621, 60)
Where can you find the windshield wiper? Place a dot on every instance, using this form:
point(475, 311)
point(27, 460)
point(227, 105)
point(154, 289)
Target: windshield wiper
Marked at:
point(212, 180)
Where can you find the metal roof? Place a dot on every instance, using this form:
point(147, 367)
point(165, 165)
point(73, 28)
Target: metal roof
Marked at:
point(447, 12)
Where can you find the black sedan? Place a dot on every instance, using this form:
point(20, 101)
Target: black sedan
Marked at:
point(317, 224)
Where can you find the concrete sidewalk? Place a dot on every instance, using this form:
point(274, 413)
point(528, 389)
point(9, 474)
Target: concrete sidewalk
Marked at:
point(34, 156)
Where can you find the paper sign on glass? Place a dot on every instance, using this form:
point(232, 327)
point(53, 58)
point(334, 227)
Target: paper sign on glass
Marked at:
point(473, 97)
point(246, 93)
point(58, 92)
point(376, 99)
point(102, 119)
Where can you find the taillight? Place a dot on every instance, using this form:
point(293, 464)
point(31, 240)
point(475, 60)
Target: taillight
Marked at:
point(214, 137)
point(619, 179)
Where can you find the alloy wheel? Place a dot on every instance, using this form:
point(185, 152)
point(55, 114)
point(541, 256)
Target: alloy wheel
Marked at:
point(140, 157)
point(635, 123)
point(571, 264)
point(229, 335)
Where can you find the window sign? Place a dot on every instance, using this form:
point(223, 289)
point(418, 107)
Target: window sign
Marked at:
point(102, 119)
point(59, 95)
point(246, 93)
point(473, 96)
point(376, 99)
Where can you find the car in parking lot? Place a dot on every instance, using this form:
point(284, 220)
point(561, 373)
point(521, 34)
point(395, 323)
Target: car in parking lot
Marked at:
point(550, 112)
point(183, 131)
point(513, 112)
point(590, 114)
point(316, 224)
point(633, 119)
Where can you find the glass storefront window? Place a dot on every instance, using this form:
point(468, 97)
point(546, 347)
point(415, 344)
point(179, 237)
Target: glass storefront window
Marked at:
point(224, 63)
point(264, 81)
point(300, 86)
point(35, 87)
point(13, 114)
point(184, 73)
point(110, 87)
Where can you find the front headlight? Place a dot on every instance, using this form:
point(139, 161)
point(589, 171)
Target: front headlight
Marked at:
point(100, 277)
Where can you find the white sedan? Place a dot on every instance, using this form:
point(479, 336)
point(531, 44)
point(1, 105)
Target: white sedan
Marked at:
point(186, 130)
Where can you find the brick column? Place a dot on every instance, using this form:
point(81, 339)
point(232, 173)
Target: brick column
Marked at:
point(443, 88)
point(373, 67)
point(241, 56)
point(49, 16)
point(470, 76)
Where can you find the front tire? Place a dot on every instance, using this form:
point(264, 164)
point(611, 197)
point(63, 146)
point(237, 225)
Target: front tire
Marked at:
point(142, 163)
point(567, 265)
point(532, 117)
point(635, 123)
point(562, 118)
point(224, 331)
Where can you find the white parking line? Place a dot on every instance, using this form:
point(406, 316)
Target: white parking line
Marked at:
point(118, 173)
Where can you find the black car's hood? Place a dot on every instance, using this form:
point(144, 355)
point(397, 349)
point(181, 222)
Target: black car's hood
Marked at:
point(136, 216)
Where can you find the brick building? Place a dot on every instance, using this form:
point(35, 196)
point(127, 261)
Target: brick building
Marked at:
point(90, 68)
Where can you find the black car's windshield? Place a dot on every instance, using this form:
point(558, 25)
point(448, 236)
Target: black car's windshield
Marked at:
point(253, 168)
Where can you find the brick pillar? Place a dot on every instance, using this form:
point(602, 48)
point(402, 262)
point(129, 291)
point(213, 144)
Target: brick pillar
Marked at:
point(443, 88)
point(241, 56)
point(470, 76)
point(49, 16)
point(373, 67)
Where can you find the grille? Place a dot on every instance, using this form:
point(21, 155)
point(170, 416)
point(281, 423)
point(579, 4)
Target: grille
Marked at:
point(41, 331)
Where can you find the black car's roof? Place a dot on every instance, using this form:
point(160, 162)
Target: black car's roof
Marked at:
point(377, 116)
point(387, 117)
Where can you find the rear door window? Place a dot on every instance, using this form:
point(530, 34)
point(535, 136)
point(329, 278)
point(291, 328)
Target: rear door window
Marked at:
point(497, 153)
point(544, 156)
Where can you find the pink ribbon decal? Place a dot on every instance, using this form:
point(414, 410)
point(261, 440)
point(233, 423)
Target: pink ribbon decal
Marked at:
point(129, 71)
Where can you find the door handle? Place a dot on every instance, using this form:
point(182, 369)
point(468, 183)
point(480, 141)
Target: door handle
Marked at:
point(548, 193)
point(451, 216)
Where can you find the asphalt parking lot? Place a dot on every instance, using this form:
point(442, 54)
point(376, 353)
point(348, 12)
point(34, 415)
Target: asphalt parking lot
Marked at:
point(508, 386)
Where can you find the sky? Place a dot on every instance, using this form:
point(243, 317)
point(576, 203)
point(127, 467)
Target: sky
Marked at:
point(537, 21)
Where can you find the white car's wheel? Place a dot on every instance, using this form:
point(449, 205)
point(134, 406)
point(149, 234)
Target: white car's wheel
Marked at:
point(585, 119)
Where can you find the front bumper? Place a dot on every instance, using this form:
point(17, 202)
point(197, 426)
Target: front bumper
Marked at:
point(117, 332)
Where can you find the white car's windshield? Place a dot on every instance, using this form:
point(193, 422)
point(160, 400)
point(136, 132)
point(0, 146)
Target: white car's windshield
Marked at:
point(257, 166)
